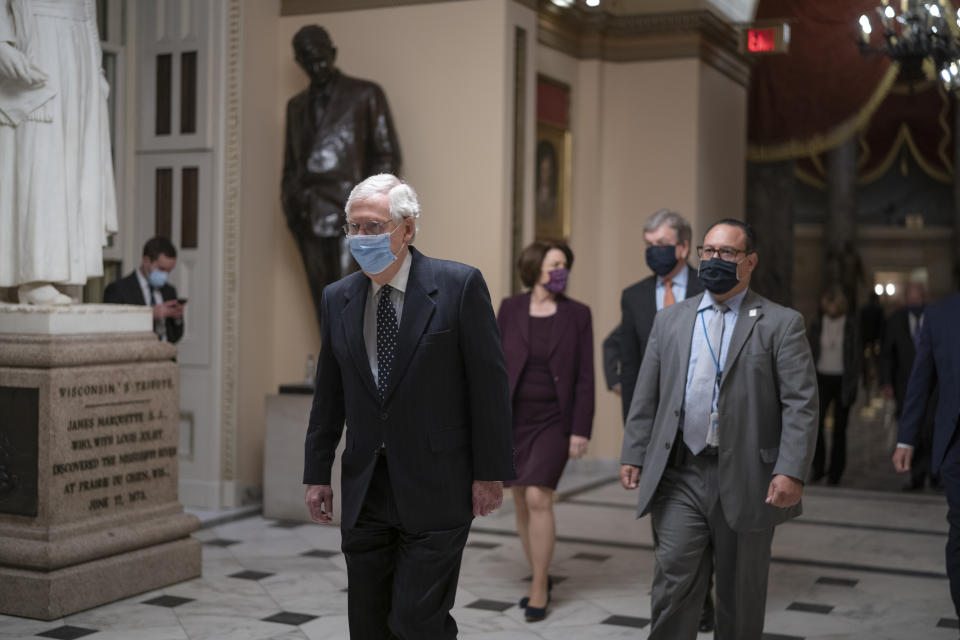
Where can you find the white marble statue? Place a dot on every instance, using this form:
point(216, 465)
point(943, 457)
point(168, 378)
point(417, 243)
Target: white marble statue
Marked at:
point(57, 196)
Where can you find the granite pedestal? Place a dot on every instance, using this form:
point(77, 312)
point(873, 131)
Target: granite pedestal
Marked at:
point(89, 415)
point(286, 430)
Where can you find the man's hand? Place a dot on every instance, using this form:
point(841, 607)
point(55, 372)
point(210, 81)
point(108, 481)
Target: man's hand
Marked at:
point(319, 500)
point(784, 491)
point(487, 496)
point(902, 458)
point(168, 309)
point(629, 476)
point(14, 65)
point(578, 446)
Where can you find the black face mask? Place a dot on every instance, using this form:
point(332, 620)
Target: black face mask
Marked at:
point(662, 259)
point(718, 275)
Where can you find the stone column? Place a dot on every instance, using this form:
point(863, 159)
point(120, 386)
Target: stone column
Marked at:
point(841, 259)
point(770, 213)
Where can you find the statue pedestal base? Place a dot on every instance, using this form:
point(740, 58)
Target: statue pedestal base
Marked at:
point(89, 415)
point(286, 429)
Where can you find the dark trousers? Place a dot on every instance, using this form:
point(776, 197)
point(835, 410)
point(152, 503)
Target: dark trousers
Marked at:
point(950, 477)
point(401, 585)
point(830, 388)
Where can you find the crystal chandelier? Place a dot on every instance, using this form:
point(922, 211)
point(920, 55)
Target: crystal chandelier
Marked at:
point(919, 32)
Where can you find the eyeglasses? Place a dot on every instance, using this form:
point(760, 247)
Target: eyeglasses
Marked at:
point(369, 228)
point(726, 253)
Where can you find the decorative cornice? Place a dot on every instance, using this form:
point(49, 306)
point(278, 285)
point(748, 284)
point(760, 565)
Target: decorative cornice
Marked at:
point(231, 241)
point(629, 38)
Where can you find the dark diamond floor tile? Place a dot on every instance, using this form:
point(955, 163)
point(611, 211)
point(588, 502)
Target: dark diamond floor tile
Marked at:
point(556, 579)
point(810, 607)
point(592, 557)
point(837, 582)
point(627, 621)
point(291, 618)
point(67, 632)
point(287, 524)
point(490, 605)
point(168, 601)
point(948, 623)
point(250, 575)
point(320, 553)
point(221, 542)
point(779, 636)
point(478, 544)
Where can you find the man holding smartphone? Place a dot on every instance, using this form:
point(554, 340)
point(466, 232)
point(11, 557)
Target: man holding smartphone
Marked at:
point(148, 285)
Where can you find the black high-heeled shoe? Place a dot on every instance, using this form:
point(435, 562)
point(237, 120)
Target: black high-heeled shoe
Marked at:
point(536, 614)
point(524, 601)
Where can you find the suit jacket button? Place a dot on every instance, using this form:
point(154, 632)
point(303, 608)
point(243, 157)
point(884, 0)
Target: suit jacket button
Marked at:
point(676, 413)
point(383, 416)
point(666, 445)
point(556, 378)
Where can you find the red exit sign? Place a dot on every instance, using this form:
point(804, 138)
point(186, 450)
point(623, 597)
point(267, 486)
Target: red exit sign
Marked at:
point(765, 39)
point(761, 40)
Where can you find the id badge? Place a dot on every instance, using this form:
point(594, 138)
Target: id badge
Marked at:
point(713, 439)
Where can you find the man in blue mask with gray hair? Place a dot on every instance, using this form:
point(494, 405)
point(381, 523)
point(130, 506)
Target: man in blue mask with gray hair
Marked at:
point(411, 360)
point(720, 435)
point(148, 285)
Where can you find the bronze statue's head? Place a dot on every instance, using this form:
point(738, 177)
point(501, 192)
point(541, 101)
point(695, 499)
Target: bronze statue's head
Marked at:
point(315, 52)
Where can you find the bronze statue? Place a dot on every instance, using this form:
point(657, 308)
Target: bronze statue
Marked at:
point(339, 131)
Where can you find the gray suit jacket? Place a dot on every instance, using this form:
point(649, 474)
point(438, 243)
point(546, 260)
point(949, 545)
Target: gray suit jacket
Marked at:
point(767, 405)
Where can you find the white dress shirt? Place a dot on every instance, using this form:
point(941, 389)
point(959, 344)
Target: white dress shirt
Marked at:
point(151, 298)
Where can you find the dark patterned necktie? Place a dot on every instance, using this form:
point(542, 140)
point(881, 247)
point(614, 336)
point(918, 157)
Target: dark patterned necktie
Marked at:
point(386, 339)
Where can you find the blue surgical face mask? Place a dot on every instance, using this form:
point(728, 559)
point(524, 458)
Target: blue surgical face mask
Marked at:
point(372, 253)
point(157, 278)
point(718, 275)
point(662, 258)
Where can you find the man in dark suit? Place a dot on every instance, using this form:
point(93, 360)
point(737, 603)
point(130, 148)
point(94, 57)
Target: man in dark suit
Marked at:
point(339, 131)
point(937, 361)
point(411, 359)
point(899, 350)
point(667, 235)
point(149, 282)
point(611, 361)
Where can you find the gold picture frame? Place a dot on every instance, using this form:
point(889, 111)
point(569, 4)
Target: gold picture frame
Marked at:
point(552, 178)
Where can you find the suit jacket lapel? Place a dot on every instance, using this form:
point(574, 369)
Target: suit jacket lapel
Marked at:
point(135, 290)
point(560, 324)
point(418, 308)
point(741, 331)
point(523, 321)
point(352, 316)
point(685, 334)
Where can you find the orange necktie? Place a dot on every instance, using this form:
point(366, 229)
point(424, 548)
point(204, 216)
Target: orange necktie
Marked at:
point(668, 298)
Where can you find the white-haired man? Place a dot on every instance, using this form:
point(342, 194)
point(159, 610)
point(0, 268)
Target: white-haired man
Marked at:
point(411, 359)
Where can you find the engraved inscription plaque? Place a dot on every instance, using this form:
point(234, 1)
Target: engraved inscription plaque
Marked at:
point(19, 425)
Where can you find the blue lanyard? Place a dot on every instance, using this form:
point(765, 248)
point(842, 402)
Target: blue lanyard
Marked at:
point(716, 363)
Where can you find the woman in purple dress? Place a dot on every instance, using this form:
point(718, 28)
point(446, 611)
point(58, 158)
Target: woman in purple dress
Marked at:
point(548, 343)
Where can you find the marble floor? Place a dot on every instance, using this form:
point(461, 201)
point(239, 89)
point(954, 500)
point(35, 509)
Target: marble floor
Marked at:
point(859, 564)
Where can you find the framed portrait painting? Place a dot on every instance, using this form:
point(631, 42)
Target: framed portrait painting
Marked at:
point(552, 182)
